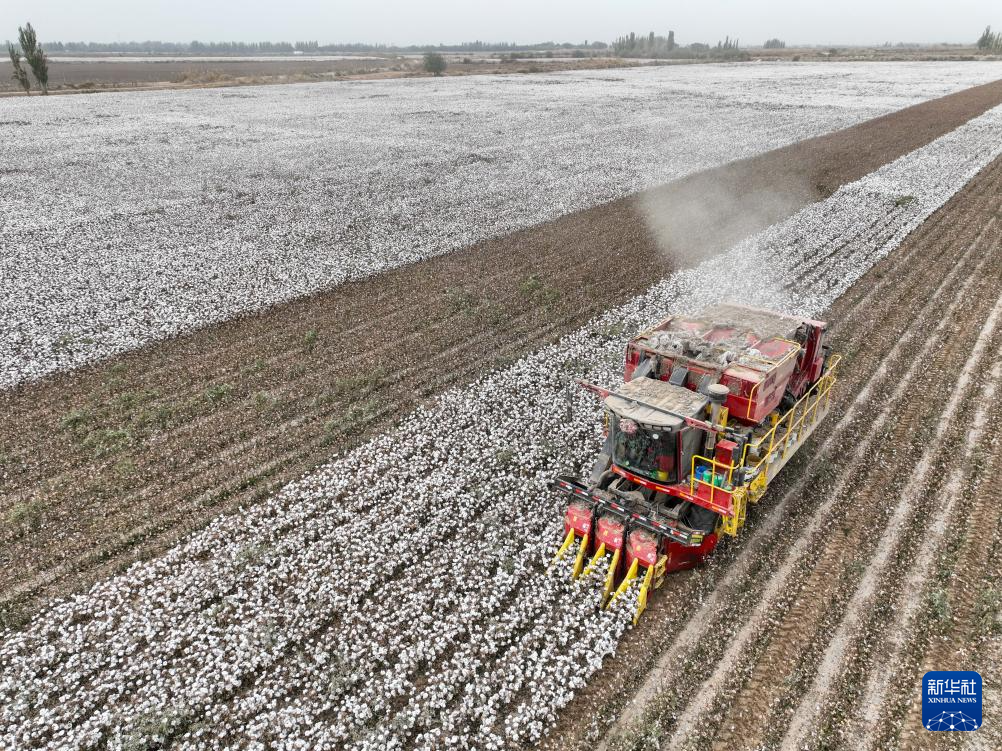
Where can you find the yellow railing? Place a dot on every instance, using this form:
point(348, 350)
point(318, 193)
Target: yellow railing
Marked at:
point(774, 364)
point(726, 469)
point(804, 412)
point(806, 408)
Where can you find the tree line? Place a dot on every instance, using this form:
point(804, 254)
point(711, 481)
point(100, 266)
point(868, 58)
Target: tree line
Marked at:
point(152, 47)
point(664, 47)
point(30, 51)
point(990, 41)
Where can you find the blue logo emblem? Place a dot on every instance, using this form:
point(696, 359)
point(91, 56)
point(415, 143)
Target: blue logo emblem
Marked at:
point(951, 700)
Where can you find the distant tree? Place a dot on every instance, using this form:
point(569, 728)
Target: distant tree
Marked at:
point(20, 75)
point(985, 42)
point(774, 44)
point(650, 45)
point(990, 42)
point(28, 39)
point(35, 56)
point(434, 63)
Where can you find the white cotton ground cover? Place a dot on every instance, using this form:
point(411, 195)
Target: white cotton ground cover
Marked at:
point(397, 596)
point(127, 218)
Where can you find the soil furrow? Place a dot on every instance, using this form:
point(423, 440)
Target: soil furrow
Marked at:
point(958, 619)
point(909, 513)
point(119, 435)
point(847, 530)
point(882, 302)
point(965, 516)
point(840, 570)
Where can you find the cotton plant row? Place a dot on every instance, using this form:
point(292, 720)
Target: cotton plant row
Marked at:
point(151, 214)
point(398, 597)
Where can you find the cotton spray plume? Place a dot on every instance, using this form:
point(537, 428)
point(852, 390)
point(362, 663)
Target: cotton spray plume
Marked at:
point(701, 215)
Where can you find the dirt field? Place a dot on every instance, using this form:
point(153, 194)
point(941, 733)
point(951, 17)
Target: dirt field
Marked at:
point(114, 74)
point(81, 75)
point(114, 462)
point(857, 575)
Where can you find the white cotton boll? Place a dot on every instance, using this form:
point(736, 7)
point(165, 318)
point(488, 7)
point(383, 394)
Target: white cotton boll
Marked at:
point(355, 607)
point(251, 210)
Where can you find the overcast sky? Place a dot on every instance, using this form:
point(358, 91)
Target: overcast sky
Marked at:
point(451, 21)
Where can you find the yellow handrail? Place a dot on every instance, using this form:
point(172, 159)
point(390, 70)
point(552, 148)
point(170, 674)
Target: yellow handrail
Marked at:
point(693, 482)
point(820, 391)
point(774, 363)
point(793, 420)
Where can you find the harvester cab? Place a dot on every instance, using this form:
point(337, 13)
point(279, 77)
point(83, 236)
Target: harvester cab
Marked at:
point(711, 408)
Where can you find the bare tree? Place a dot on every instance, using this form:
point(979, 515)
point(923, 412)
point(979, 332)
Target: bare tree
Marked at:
point(35, 56)
point(19, 73)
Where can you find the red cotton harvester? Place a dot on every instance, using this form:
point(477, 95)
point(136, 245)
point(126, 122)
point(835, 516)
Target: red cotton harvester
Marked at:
point(711, 409)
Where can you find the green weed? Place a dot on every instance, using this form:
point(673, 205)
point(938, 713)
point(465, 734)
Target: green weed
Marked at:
point(310, 339)
point(218, 393)
point(107, 441)
point(76, 419)
point(988, 611)
point(26, 517)
point(459, 300)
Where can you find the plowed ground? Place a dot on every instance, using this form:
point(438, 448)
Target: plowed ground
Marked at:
point(875, 555)
point(115, 462)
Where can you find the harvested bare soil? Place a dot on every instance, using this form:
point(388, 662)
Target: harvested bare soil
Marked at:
point(773, 644)
point(88, 76)
point(126, 74)
point(114, 462)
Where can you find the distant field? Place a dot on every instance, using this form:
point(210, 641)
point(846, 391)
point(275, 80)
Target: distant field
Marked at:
point(151, 214)
point(103, 73)
point(285, 371)
point(86, 73)
point(75, 73)
point(396, 598)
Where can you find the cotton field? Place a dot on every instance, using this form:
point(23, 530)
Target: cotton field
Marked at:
point(398, 597)
point(149, 214)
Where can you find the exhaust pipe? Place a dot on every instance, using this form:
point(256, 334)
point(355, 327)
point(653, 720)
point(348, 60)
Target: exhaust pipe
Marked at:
point(718, 395)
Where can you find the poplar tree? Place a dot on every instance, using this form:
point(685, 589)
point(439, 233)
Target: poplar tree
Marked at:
point(35, 56)
point(19, 73)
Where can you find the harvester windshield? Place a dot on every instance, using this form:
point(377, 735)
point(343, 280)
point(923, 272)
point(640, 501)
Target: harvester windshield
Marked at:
point(644, 450)
point(647, 417)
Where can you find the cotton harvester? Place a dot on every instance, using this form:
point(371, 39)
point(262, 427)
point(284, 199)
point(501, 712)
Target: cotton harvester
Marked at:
point(711, 409)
